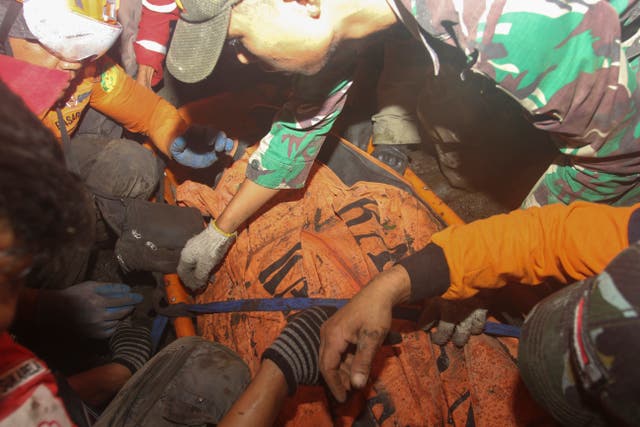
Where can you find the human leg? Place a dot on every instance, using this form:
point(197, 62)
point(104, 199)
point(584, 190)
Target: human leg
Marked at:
point(402, 78)
point(395, 125)
point(192, 381)
point(119, 167)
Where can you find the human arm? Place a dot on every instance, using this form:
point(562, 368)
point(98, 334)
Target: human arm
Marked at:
point(282, 160)
point(91, 309)
point(249, 198)
point(130, 348)
point(205, 250)
point(285, 155)
point(98, 385)
point(153, 39)
point(260, 403)
point(573, 81)
point(563, 243)
point(137, 108)
point(363, 322)
point(557, 241)
point(291, 359)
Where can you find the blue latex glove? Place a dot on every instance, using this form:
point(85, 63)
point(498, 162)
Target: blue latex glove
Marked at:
point(91, 309)
point(199, 147)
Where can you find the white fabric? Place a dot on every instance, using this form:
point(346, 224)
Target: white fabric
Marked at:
point(160, 8)
point(153, 46)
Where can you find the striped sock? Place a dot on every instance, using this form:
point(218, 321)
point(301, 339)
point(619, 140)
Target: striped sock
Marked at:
point(130, 345)
point(295, 351)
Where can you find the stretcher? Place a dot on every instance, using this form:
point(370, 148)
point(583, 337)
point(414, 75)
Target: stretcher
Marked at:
point(355, 217)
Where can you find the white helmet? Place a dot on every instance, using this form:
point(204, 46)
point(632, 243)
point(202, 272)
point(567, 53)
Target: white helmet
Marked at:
point(74, 30)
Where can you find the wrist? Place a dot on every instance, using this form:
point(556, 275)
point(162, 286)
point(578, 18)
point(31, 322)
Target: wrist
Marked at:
point(391, 286)
point(145, 75)
point(273, 374)
point(402, 290)
point(277, 365)
point(230, 234)
point(428, 273)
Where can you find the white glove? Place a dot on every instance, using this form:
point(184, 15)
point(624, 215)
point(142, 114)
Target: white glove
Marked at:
point(201, 254)
point(454, 320)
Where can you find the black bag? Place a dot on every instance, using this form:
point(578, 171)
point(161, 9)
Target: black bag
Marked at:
point(151, 235)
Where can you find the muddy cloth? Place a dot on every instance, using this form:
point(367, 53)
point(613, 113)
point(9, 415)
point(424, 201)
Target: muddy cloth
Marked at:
point(328, 240)
point(574, 82)
point(191, 382)
point(120, 168)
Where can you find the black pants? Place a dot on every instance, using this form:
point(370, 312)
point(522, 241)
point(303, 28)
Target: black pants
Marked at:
point(191, 382)
point(115, 167)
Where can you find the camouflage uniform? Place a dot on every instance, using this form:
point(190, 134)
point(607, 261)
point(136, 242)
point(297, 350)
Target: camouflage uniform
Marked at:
point(578, 348)
point(563, 62)
point(285, 155)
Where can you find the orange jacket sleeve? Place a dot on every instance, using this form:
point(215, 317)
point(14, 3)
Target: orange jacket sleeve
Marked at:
point(565, 243)
point(137, 108)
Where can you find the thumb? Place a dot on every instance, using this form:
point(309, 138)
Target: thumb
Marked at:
point(368, 344)
point(222, 142)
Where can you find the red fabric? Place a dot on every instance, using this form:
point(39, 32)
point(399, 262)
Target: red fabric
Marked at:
point(28, 390)
point(155, 27)
point(38, 87)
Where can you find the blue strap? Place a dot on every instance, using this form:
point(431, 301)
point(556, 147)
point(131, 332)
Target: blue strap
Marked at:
point(159, 324)
point(289, 304)
point(501, 329)
point(265, 304)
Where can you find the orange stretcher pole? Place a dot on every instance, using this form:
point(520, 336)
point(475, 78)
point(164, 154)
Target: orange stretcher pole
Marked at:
point(172, 285)
point(176, 294)
point(447, 214)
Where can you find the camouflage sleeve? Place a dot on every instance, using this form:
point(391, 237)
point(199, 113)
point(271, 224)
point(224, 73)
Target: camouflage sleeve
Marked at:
point(285, 155)
point(561, 60)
